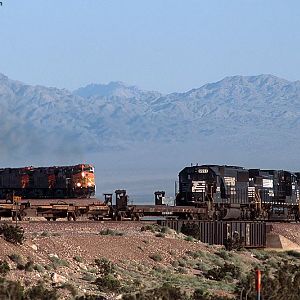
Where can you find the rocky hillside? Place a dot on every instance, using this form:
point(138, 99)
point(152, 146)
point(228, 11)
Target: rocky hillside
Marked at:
point(107, 261)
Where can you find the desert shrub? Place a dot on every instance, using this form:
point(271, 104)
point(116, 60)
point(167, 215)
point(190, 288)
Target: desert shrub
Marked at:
point(40, 292)
point(156, 257)
point(224, 254)
point(140, 268)
point(293, 253)
point(182, 263)
point(111, 232)
point(29, 266)
point(283, 283)
point(78, 258)
point(182, 270)
point(227, 271)
point(165, 230)
point(159, 269)
point(108, 283)
point(56, 234)
point(261, 254)
point(12, 234)
point(148, 228)
point(88, 277)
point(201, 294)
point(191, 229)
point(11, 290)
point(39, 268)
point(21, 267)
point(175, 263)
point(160, 234)
point(202, 266)
point(189, 238)
point(57, 262)
point(166, 292)
point(92, 270)
point(172, 252)
point(4, 268)
point(16, 258)
point(48, 267)
point(105, 266)
point(194, 254)
point(71, 288)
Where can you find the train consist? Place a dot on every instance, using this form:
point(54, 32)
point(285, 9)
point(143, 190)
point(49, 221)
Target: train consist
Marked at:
point(48, 182)
point(206, 192)
point(231, 192)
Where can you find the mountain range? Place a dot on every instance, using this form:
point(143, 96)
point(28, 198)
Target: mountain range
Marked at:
point(251, 120)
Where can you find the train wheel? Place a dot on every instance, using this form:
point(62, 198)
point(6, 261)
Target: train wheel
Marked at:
point(48, 219)
point(54, 219)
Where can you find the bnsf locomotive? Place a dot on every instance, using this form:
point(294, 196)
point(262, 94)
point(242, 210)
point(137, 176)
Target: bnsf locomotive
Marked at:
point(48, 182)
point(231, 192)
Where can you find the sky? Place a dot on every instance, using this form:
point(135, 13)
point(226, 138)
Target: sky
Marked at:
point(163, 45)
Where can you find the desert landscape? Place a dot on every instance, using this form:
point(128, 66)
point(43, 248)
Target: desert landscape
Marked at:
point(121, 260)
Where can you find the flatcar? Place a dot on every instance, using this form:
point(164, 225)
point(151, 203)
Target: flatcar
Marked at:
point(76, 181)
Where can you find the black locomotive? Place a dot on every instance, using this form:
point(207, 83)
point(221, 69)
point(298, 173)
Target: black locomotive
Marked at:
point(232, 192)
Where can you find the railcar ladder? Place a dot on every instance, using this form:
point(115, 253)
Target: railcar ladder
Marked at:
point(257, 201)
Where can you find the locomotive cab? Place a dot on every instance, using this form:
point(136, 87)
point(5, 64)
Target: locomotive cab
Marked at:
point(83, 180)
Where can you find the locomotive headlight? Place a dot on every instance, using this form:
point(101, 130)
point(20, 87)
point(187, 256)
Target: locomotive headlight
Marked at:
point(78, 184)
point(89, 184)
point(82, 174)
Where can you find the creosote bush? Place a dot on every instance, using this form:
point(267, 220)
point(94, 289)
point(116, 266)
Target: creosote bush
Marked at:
point(57, 262)
point(165, 292)
point(156, 257)
point(12, 234)
point(14, 290)
point(29, 266)
point(148, 228)
point(16, 258)
point(228, 271)
point(105, 266)
point(40, 292)
point(78, 258)
point(4, 268)
point(108, 283)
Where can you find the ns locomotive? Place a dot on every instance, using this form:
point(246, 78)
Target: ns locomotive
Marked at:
point(232, 192)
point(76, 181)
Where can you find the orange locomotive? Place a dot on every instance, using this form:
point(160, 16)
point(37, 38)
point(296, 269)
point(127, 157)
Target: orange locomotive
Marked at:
point(48, 182)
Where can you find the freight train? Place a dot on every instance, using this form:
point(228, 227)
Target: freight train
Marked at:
point(232, 192)
point(206, 192)
point(76, 181)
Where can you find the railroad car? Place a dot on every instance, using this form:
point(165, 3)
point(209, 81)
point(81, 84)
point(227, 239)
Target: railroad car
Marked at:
point(76, 181)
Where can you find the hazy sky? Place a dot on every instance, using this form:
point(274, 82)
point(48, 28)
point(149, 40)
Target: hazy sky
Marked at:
point(165, 45)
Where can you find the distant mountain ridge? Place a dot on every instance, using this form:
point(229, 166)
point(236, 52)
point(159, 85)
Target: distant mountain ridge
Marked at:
point(245, 110)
